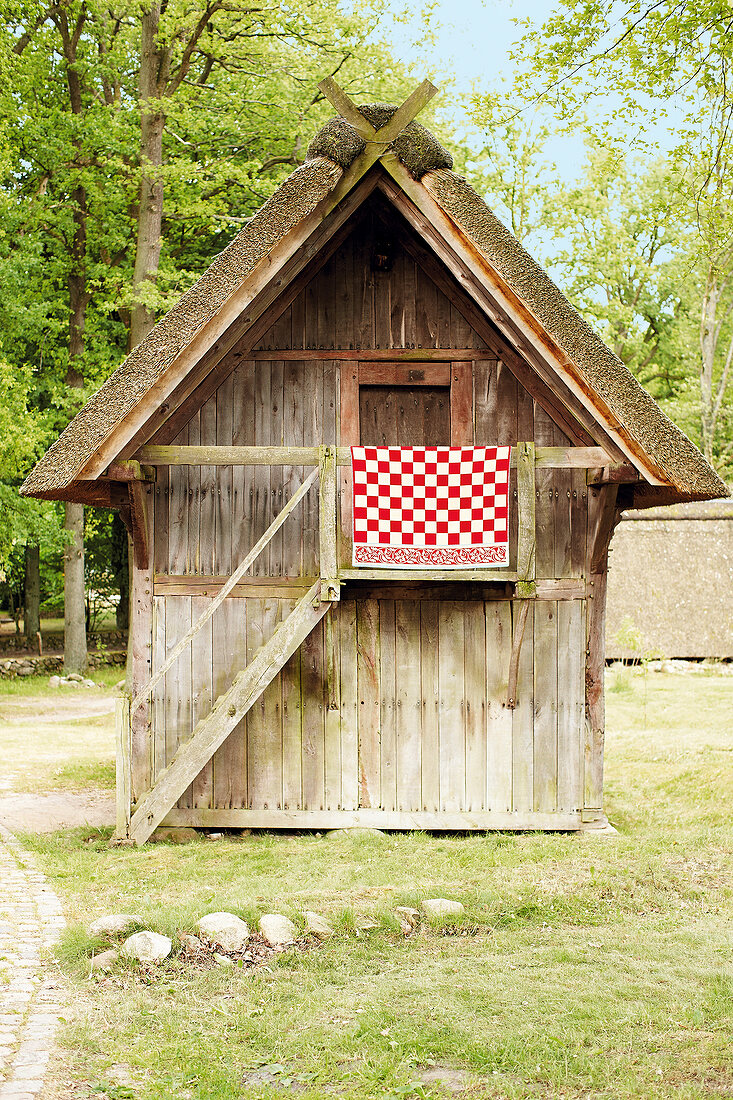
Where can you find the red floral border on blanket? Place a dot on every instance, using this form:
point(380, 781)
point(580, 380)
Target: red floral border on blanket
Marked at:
point(445, 557)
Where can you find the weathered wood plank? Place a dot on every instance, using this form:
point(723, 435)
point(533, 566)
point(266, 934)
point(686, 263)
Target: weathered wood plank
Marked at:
point(158, 706)
point(461, 405)
point(332, 716)
point(359, 573)
point(327, 522)
point(499, 715)
point(474, 626)
point(284, 588)
point(388, 705)
point(526, 549)
point(261, 475)
point(229, 628)
point(570, 698)
point(452, 721)
point(348, 437)
point(292, 711)
point(294, 383)
point(349, 705)
point(561, 458)
point(271, 778)
point(313, 682)
point(277, 498)
point(367, 633)
point(313, 434)
point(123, 766)
point(398, 374)
point(226, 713)
point(430, 699)
point(202, 697)
point(141, 633)
point(523, 716)
point(141, 524)
point(544, 774)
point(409, 705)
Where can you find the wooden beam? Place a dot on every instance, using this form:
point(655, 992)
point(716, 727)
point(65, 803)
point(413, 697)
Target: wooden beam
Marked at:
point(558, 458)
point(403, 374)
point(517, 639)
point(123, 737)
point(226, 589)
point(345, 107)
point(130, 470)
point(260, 588)
point(409, 110)
point(402, 117)
point(327, 523)
point(619, 474)
point(377, 819)
point(527, 538)
point(227, 712)
point(448, 575)
point(140, 524)
point(370, 355)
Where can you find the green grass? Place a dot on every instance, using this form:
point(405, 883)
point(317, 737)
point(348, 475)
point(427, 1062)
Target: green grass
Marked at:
point(48, 743)
point(584, 967)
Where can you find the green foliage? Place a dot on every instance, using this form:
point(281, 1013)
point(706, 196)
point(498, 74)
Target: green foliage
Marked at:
point(644, 248)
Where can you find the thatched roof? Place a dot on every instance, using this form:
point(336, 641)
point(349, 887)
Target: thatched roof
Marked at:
point(332, 151)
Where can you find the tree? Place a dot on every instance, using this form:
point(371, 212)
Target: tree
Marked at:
point(654, 62)
point(141, 139)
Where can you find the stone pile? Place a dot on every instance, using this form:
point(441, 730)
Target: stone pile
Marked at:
point(225, 937)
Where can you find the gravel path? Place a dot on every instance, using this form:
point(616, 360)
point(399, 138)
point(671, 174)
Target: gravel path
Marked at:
point(30, 922)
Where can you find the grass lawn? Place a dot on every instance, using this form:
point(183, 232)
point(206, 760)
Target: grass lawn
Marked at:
point(73, 749)
point(584, 967)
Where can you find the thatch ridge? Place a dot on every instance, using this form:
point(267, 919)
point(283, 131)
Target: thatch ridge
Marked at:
point(418, 149)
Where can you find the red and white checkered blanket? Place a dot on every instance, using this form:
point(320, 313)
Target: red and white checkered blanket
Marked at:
point(434, 507)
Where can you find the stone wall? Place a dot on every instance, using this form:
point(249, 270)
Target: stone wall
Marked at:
point(47, 666)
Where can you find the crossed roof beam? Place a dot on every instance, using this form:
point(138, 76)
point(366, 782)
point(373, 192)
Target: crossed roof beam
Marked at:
point(378, 142)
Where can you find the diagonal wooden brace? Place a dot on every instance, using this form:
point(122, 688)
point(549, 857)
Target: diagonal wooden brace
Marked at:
point(226, 713)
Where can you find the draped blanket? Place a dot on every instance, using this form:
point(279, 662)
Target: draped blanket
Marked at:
point(431, 507)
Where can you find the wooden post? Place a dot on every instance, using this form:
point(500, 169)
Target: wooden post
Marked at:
point(526, 588)
point(123, 766)
point(327, 524)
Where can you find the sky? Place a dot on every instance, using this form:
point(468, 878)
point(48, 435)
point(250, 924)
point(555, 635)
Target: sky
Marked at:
point(472, 42)
point(473, 37)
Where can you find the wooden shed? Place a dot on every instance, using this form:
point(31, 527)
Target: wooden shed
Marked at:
point(374, 299)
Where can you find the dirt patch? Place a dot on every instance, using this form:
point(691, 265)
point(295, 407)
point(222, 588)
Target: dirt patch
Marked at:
point(68, 705)
point(31, 717)
point(45, 813)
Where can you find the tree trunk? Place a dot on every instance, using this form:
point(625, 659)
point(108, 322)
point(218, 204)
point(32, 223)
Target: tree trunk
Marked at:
point(708, 344)
point(154, 69)
point(32, 593)
point(75, 634)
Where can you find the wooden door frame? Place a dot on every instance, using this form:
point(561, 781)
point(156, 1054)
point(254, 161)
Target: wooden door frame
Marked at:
point(457, 376)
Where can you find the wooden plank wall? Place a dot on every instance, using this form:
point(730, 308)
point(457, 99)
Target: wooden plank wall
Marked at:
point(393, 702)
